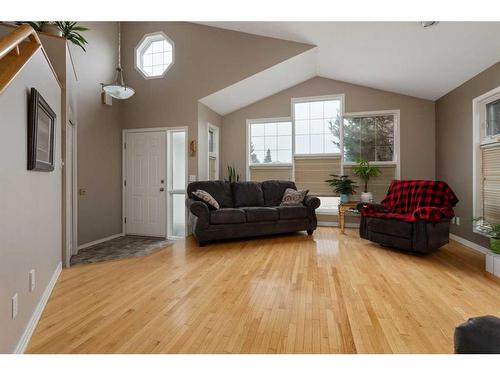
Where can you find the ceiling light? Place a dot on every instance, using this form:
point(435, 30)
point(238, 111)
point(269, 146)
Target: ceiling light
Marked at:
point(429, 23)
point(118, 89)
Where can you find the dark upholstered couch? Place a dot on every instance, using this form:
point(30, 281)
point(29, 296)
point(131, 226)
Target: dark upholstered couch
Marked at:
point(247, 209)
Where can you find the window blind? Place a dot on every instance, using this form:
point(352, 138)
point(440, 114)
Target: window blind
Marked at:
point(491, 183)
point(311, 173)
point(269, 173)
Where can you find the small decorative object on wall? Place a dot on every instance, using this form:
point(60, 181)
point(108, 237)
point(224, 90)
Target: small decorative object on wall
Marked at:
point(41, 132)
point(365, 171)
point(342, 185)
point(192, 148)
point(232, 176)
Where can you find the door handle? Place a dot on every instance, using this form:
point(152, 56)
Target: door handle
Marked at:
point(162, 189)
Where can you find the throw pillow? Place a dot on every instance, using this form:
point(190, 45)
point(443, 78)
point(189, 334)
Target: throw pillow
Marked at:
point(293, 197)
point(207, 198)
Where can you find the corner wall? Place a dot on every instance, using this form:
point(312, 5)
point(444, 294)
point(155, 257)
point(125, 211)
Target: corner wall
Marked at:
point(30, 203)
point(454, 145)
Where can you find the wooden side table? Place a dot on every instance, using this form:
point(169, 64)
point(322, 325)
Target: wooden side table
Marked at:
point(343, 208)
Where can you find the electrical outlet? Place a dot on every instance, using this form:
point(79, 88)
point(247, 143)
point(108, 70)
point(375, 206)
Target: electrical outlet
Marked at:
point(32, 280)
point(14, 306)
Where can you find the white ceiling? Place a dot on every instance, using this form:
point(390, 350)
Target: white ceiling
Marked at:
point(277, 78)
point(402, 57)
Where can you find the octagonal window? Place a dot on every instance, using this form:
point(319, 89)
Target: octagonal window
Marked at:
point(154, 55)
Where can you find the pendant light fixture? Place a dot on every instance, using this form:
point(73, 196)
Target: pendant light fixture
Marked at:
point(118, 89)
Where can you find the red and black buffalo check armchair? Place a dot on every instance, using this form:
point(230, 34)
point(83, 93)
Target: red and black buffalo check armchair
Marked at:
point(414, 216)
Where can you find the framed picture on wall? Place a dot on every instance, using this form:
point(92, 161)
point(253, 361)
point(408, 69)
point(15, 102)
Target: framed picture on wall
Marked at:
point(41, 132)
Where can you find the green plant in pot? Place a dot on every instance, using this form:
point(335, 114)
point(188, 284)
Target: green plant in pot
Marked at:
point(232, 176)
point(493, 231)
point(365, 171)
point(342, 185)
point(67, 29)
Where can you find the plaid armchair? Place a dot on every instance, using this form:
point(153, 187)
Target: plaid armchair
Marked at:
point(414, 216)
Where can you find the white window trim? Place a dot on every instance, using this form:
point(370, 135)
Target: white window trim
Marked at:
point(215, 129)
point(396, 155)
point(138, 56)
point(480, 140)
point(250, 166)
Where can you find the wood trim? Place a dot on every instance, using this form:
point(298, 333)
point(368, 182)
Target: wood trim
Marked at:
point(16, 49)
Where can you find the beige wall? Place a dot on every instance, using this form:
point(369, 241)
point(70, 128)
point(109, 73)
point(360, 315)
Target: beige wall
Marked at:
point(454, 145)
point(30, 213)
point(207, 59)
point(99, 135)
point(416, 122)
point(206, 116)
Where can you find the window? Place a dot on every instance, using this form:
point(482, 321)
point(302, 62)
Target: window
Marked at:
point(154, 55)
point(486, 155)
point(270, 141)
point(317, 125)
point(369, 137)
point(211, 141)
point(493, 118)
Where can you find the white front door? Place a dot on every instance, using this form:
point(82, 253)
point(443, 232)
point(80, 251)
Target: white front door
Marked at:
point(145, 209)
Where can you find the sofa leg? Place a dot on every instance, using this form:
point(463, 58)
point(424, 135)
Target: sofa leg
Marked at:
point(202, 243)
point(310, 232)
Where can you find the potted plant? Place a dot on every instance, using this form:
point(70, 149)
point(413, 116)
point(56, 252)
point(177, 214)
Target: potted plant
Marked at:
point(342, 185)
point(365, 171)
point(66, 29)
point(232, 176)
point(493, 231)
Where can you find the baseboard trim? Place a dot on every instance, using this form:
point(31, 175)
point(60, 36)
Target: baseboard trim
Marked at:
point(472, 245)
point(336, 224)
point(96, 242)
point(35, 317)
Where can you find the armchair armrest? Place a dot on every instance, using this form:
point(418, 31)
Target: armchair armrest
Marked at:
point(371, 207)
point(312, 202)
point(432, 213)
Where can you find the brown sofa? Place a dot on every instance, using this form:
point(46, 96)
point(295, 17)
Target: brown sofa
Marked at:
point(247, 209)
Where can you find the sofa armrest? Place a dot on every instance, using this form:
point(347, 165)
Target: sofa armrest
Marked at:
point(312, 202)
point(197, 208)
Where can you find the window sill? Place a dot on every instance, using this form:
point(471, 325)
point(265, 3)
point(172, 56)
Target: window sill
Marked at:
point(271, 166)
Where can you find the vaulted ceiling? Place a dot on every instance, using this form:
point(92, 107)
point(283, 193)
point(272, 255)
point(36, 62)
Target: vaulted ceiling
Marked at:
point(401, 57)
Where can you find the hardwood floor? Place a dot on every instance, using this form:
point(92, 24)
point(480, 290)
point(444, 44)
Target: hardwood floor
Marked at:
point(329, 293)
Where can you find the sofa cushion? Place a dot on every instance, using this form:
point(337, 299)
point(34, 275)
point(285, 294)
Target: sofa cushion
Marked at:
point(292, 212)
point(257, 214)
point(274, 190)
point(247, 194)
point(207, 198)
point(391, 227)
point(227, 216)
point(293, 197)
point(220, 190)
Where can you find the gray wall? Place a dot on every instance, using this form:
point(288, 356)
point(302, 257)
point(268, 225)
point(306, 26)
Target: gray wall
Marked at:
point(454, 144)
point(207, 59)
point(417, 121)
point(30, 213)
point(99, 135)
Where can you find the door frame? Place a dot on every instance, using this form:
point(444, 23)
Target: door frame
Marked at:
point(216, 130)
point(166, 130)
point(70, 225)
